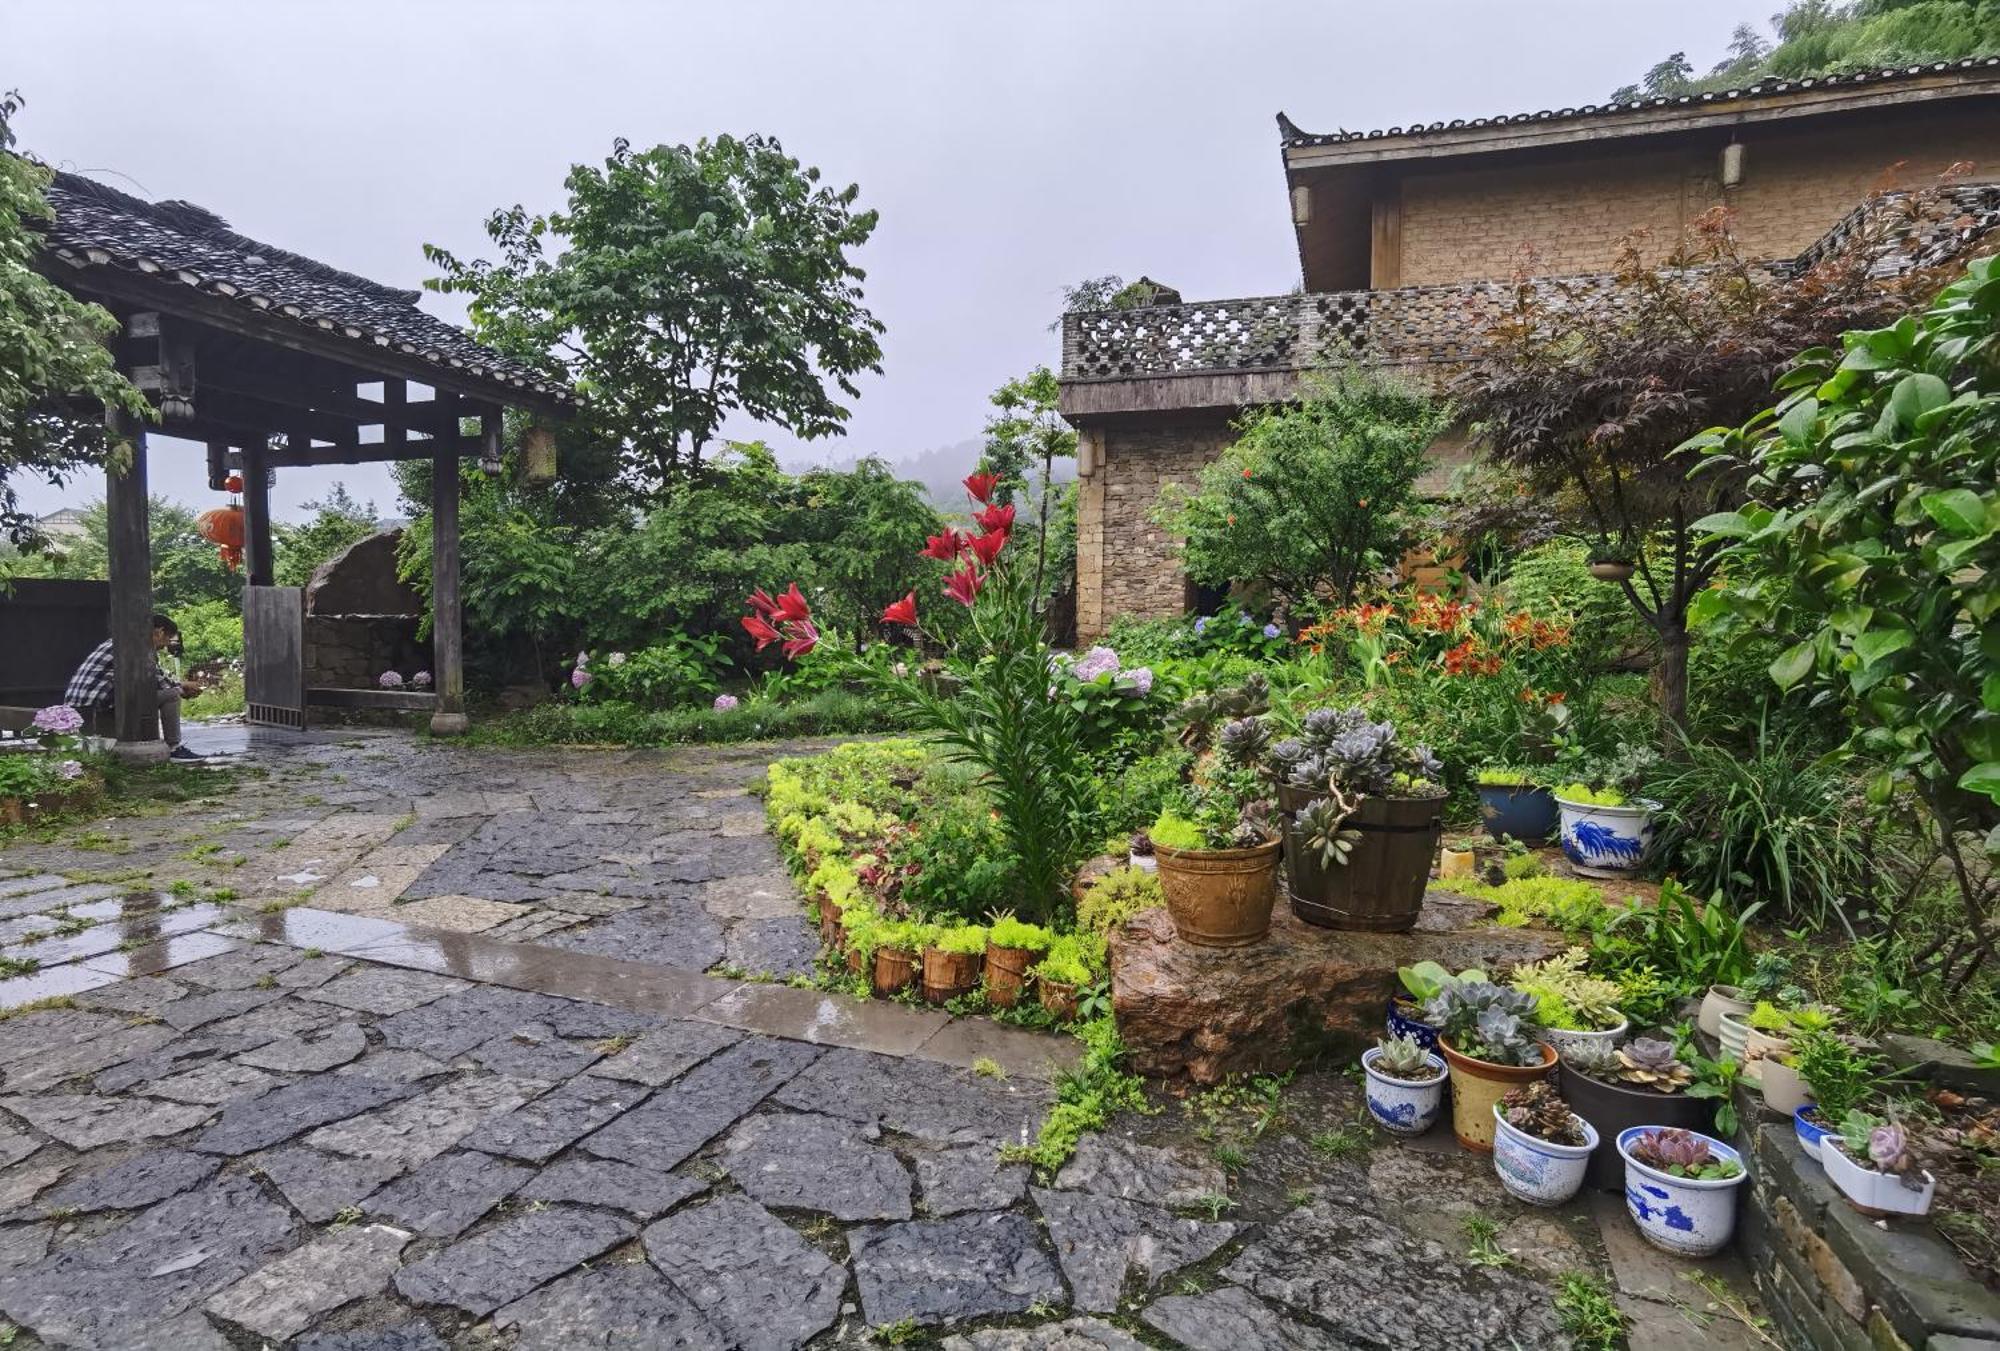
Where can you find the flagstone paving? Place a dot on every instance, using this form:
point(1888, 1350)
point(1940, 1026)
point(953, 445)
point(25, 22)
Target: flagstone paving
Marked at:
point(328, 1128)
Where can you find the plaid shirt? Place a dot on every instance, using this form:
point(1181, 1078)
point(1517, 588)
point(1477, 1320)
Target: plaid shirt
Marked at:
point(93, 684)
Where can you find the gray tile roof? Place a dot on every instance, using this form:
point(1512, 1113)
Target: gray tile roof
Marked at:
point(99, 226)
point(1290, 134)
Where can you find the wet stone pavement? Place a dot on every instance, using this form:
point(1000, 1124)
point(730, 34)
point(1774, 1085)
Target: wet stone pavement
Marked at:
point(339, 1125)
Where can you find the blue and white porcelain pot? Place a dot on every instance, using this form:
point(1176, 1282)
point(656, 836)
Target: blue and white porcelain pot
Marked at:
point(1810, 1130)
point(1540, 1172)
point(1405, 1106)
point(1690, 1217)
point(1402, 1024)
point(1607, 841)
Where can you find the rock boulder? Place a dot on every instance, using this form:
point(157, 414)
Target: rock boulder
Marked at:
point(1206, 1013)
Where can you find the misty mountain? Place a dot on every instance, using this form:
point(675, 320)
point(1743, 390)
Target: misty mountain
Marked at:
point(941, 469)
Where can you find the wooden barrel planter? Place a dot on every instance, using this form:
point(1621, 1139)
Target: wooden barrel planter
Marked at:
point(1057, 999)
point(1007, 974)
point(947, 975)
point(1381, 885)
point(894, 969)
point(829, 926)
point(856, 962)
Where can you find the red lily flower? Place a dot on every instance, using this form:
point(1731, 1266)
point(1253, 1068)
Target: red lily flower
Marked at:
point(981, 486)
point(986, 548)
point(760, 629)
point(996, 520)
point(792, 606)
point(963, 585)
point(802, 638)
point(903, 611)
point(944, 548)
point(761, 602)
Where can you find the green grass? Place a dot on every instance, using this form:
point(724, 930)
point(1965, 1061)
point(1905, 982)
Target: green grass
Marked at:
point(828, 713)
point(1589, 1316)
point(219, 700)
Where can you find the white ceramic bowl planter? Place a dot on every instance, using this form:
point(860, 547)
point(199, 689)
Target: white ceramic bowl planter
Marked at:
point(1719, 1000)
point(1567, 1043)
point(1607, 841)
point(1682, 1215)
point(1869, 1191)
point(1733, 1031)
point(1539, 1171)
point(1405, 1106)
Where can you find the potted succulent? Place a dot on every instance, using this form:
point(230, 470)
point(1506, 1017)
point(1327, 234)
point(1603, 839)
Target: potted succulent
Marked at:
point(1870, 1160)
point(1405, 1085)
point(897, 946)
point(1217, 853)
point(1515, 804)
point(1607, 831)
point(1362, 813)
point(952, 962)
point(1680, 1188)
point(1487, 1037)
point(1421, 984)
point(1572, 1007)
point(1061, 974)
point(1139, 853)
point(1540, 1147)
point(1837, 1078)
point(1011, 947)
point(1644, 1082)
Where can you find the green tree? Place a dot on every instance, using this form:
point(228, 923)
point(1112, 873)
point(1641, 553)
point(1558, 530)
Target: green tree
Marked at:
point(679, 285)
point(1313, 497)
point(865, 528)
point(56, 373)
point(187, 569)
point(338, 522)
point(1024, 439)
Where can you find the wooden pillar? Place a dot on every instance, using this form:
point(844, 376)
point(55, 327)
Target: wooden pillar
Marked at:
point(259, 563)
point(447, 620)
point(137, 724)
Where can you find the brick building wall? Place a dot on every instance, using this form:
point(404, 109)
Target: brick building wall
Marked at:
point(1125, 563)
point(1469, 225)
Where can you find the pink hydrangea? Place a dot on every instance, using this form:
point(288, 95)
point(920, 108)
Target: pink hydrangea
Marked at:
point(57, 720)
point(422, 680)
point(579, 678)
point(1140, 678)
point(390, 680)
point(724, 702)
point(1094, 663)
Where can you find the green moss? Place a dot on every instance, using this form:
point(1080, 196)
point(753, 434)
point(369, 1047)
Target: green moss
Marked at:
point(1175, 832)
point(1585, 795)
point(1008, 932)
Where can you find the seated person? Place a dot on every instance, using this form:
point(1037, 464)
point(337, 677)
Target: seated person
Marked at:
point(92, 688)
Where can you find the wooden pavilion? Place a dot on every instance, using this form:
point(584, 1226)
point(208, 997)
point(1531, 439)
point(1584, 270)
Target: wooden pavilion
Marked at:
point(275, 360)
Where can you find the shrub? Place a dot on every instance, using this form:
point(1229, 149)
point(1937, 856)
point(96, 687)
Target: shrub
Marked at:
point(1008, 932)
point(211, 631)
point(1132, 797)
point(668, 671)
point(1117, 896)
point(956, 860)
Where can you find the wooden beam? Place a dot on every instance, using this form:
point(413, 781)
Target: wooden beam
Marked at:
point(135, 692)
point(447, 619)
point(329, 696)
point(371, 452)
point(259, 562)
point(395, 400)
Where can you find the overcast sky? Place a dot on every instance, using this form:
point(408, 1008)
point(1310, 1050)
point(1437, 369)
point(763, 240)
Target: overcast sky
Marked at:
point(1010, 147)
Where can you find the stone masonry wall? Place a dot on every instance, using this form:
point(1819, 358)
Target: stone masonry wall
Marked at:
point(1470, 225)
point(1125, 564)
point(350, 652)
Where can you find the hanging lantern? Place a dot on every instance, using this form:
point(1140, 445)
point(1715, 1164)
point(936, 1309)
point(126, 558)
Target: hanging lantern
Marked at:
point(538, 455)
point(223, 527)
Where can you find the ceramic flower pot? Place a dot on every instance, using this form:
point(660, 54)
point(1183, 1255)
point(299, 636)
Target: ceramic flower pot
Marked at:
point(1567, 1043)
point(1220, 898)
point(1784, 1090)
point(1869, 1191)
point(1612, 1108)
point(1732, 1030)
point(1145, 863)
point(1607, 841)
point(1719, 1000)
point(1811, 1131)
point(1006, 974)
point(1760, 1049)
point(1526, 812)
point(1612, 570)
point(1539, 1171)
point(1477, 1084)
point(1686, 1216)
point(1405, 1106)
point(1404, 1022)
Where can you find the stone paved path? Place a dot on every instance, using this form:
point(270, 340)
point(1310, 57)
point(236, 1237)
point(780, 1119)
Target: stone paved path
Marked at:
point(328, 1128)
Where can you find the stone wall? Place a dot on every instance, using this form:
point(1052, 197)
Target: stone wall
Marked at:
point(351, 652)
point(1470, 225)
point(1125, 564)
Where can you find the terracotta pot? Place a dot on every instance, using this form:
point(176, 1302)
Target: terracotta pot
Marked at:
point(1614, 1108)
point(1477, 1084)
point(1719, 1000)
point(1220, 898)
point(1381, 885)
point(1006, 974)
point(947, 975)
point(894, 969)
point(1057, 998)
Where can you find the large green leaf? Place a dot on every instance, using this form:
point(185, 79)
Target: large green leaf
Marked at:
point(1982, 778)
point(1731, 523)
point(1915, 395)
point(1797, 423)
point(1876, 644)
point(1792, 665)
point(1958, 510)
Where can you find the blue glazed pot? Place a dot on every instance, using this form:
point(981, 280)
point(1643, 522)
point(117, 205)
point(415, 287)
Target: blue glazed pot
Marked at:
point(1402, 1025)
point(1404, 1106)
point(1685, 1216)
point(1806, 1125)
point(1524, 811)
point(1607, 841)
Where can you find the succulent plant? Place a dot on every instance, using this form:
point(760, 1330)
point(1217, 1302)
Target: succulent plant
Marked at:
point(1244, 740)
point(1646, 1061)
point(1680, 1153)
point(1322, 826)
point(1596, 1058)
point(1487, 1022)
point(1198, 717)
point(1883, 1146)
point(1404, 1058)
point(1340, 748)
point(1537, 1109)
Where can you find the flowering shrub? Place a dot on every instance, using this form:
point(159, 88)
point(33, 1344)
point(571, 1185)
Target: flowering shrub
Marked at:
point(1119, 707)
point(390, 680)
point(1029, 747)
point(421, 680)
point(26, 775)
point(724, 702)
point(674, 670)
point(57, 720)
